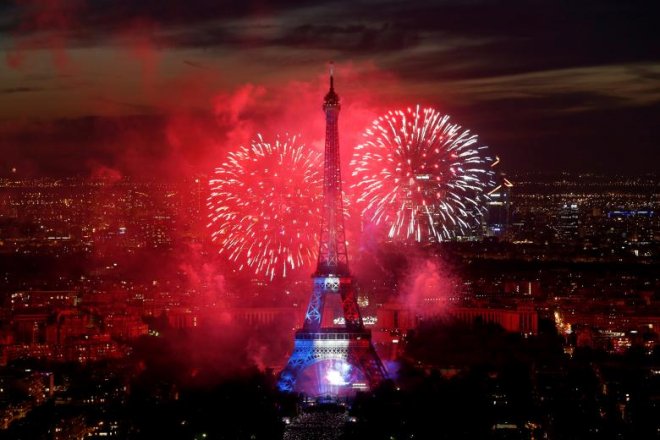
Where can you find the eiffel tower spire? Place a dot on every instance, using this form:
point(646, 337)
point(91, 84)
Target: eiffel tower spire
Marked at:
point(333, 256)
point(332, 274)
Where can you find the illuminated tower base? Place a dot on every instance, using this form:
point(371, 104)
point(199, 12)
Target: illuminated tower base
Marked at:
point(350, 345)
point(353, 348)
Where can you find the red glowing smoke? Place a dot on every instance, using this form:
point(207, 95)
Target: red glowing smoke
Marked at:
point(428, 287)
point(202, 275)
point(47, 25)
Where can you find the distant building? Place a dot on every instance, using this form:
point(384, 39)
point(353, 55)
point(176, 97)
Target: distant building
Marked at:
point(525, 288)
point(498, 212)
point(522, 320)
point(266, 315)
point(125, 326)
point(568, 222)
point(397, 317)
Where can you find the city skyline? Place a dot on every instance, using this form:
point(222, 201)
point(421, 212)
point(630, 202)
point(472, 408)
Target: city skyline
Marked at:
point(95, 88)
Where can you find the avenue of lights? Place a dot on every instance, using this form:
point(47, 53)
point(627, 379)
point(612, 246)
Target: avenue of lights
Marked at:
point(421, 176)
point(265, 205)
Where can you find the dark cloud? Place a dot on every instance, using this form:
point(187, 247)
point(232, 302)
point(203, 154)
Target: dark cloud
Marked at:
point(501, 38)
point(535, 134)
point(12, 90)
point(462, 38)
point(544, 82)
point(91, 20)
point(137, 108)
point(197, 65)
point(357, 38)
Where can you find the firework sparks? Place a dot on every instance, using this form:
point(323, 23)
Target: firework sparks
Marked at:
point(265, 206)
point(421, 176)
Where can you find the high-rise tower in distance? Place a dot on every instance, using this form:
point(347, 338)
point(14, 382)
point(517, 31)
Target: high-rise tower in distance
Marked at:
point(349, 345)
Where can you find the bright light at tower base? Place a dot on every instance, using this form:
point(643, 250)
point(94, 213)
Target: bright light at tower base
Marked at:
point(332, 377)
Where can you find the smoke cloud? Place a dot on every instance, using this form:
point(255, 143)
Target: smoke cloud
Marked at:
point(428, 286)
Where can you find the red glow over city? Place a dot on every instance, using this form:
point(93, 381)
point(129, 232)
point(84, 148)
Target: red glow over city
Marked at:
point(329, 220)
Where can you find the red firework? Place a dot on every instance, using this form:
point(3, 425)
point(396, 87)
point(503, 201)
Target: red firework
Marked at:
point(265, 206)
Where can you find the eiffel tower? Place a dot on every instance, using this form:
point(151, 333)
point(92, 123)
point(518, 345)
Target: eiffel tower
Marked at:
point(352, 342)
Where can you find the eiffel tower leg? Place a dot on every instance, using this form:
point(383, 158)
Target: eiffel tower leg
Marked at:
point(288, 378)
point(303, 352)
point(367, 360)
point(314, 315)
point(350, 307)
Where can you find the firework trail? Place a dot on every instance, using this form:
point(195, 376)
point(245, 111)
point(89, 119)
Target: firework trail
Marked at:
point(421, 176)
point(265, 206)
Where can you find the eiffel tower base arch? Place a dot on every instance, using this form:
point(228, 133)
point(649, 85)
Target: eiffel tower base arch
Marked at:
point(352, 347)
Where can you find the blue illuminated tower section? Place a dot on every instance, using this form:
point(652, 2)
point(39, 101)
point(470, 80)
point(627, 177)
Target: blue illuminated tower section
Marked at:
point(352, 342)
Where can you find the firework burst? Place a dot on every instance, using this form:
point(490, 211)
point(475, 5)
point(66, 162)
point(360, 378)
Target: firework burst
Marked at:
point(421, 176)
point(265, 206)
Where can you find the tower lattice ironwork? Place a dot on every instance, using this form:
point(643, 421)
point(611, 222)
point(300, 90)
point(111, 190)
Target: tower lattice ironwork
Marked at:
point(352, 342)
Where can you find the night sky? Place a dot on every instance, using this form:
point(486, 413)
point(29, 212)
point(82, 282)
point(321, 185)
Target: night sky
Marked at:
point(165, 88)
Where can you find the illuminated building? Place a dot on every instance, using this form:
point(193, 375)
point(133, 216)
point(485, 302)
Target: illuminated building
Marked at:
point(339, 350)
point(525, 288)
point(568, 222)
point(264, 315)
point(397, 318)
point(522, 320)
point(498, 209)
